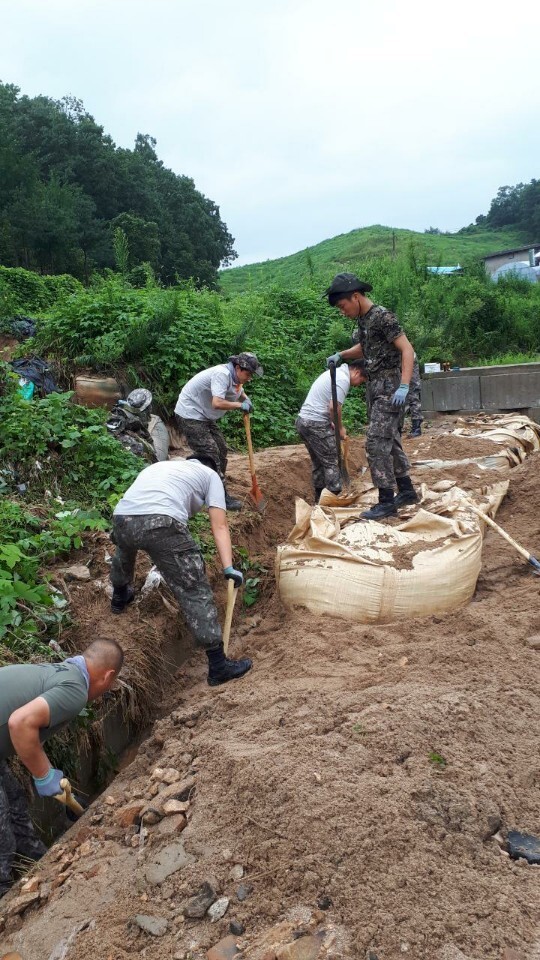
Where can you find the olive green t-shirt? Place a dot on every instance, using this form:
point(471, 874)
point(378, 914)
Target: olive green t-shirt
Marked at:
point(62, 685)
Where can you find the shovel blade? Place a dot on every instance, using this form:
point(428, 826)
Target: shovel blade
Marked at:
point(257, 497)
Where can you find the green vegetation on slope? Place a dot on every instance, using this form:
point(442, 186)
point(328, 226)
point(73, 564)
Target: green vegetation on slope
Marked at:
point(349, 251)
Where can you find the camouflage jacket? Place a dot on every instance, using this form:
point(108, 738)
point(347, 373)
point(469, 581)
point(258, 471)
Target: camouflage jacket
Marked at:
point(376, 331)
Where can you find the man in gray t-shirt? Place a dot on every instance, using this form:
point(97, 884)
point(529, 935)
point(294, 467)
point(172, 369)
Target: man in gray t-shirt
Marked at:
point(36, 701)
point(315, 424)
point(152, 516)
point(207, 397)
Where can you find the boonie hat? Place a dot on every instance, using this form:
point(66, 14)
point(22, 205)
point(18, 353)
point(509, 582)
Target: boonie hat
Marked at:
point(139, 399)
point(347, 283)
point(248, 361)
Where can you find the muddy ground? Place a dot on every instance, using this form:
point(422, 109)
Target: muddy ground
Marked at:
point(353, 791)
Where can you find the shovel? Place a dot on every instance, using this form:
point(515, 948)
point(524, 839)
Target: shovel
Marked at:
point(255, 493)
point(231, 600)
point(67, 798)
point(341, 465)
point(521, 550)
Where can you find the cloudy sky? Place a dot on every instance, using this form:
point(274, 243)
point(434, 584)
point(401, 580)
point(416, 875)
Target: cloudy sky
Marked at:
point(302, 119)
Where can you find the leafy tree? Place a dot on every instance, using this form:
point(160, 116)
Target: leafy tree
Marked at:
point(65, 188)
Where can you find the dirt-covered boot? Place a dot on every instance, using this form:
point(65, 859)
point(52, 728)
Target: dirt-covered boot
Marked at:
point(121, 597)
point(406, 492)
point(416, 428)
point(231, 503)
point(384, 508)
point(221, 669)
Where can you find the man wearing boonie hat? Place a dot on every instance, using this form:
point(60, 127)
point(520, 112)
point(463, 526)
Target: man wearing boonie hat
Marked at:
point(381, 342)
point(207, 397)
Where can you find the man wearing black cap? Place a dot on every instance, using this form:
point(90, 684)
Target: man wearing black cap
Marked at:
point(389, 358)
point(207, 397)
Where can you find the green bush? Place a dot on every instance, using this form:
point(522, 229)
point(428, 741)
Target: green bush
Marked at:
point(31, 613)
point(163, 337)
point(58, 448)
point(22, 291)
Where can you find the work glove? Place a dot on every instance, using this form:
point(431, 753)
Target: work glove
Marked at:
point(49, 785)
point(400, 395)
point(336, 358)
point(246, 405)
point(231, 574)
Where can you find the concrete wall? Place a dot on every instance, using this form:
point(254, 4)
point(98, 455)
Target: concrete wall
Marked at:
point(490, 389)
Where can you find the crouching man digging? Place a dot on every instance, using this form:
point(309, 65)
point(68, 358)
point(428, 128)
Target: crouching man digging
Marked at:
point(205, 399)
point(36, 701)
point(315, 424)
point(152, 516)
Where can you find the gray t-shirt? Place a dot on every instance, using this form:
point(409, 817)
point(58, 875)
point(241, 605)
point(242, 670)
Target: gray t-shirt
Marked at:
point(195, 400)
point(316, 406)
point(172, 488)
point(62, 685)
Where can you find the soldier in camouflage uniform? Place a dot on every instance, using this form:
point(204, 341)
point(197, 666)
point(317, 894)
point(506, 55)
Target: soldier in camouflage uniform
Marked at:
point(152, 516)
point(389, 363)
point(205, 399)
point(316, 426)
point(413, 403)
point(36, 701)
point(17, 832)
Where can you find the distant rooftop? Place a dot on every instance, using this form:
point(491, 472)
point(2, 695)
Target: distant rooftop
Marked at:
point(445, 270)
point(505, 253)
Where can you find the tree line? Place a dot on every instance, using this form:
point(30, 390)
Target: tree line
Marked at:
point(518, 207)
point(66, 190)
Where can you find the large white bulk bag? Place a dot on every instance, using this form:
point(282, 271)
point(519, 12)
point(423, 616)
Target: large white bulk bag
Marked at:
point(368, 571)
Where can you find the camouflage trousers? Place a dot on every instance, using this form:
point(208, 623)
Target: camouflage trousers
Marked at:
point(173, 550)
point(320, 441)
point(384, 452)
point(413, 403)
point(205, 438)
point(17, 832)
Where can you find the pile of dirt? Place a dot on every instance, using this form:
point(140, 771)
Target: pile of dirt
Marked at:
point(348, 798)
point(447, 446)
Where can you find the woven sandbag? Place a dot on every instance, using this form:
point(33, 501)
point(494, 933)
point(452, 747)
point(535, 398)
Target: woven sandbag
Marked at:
point(375, 572)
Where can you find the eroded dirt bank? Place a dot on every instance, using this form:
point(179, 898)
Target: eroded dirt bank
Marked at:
point(318, 775)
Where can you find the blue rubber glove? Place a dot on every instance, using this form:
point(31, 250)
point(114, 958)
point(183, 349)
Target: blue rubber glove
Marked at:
point(49, 785)
point(246, 405)
point(336, 358)
point(400, 395)
point(231, 574)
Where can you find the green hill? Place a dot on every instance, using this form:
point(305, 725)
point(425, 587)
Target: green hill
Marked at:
point(348, 250)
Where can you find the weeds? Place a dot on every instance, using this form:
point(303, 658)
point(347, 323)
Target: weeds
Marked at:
point(437, 760)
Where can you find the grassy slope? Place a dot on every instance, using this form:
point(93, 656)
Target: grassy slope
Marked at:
point(346, 252)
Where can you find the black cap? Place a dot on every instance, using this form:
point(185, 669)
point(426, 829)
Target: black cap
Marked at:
point(347, 283)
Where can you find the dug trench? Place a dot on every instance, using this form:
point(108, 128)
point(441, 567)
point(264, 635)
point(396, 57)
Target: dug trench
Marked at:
point(346, 799)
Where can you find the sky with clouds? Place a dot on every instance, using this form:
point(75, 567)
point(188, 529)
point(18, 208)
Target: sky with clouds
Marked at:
point(302, 119)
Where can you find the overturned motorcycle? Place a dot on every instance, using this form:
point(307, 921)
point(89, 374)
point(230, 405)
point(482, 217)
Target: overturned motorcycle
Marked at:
point(134, 425)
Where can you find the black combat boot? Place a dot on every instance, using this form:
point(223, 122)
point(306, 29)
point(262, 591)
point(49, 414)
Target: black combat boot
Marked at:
point(407, 494)
point(416, 428)
point(221, 669)
point(384, 508)
point(318, 491)
point(231, 503)
point(121, 597)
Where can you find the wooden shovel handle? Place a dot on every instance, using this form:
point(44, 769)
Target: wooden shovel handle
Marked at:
point(506, 536)
point(247, 428)
point(67, 798)
point(231, 600)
